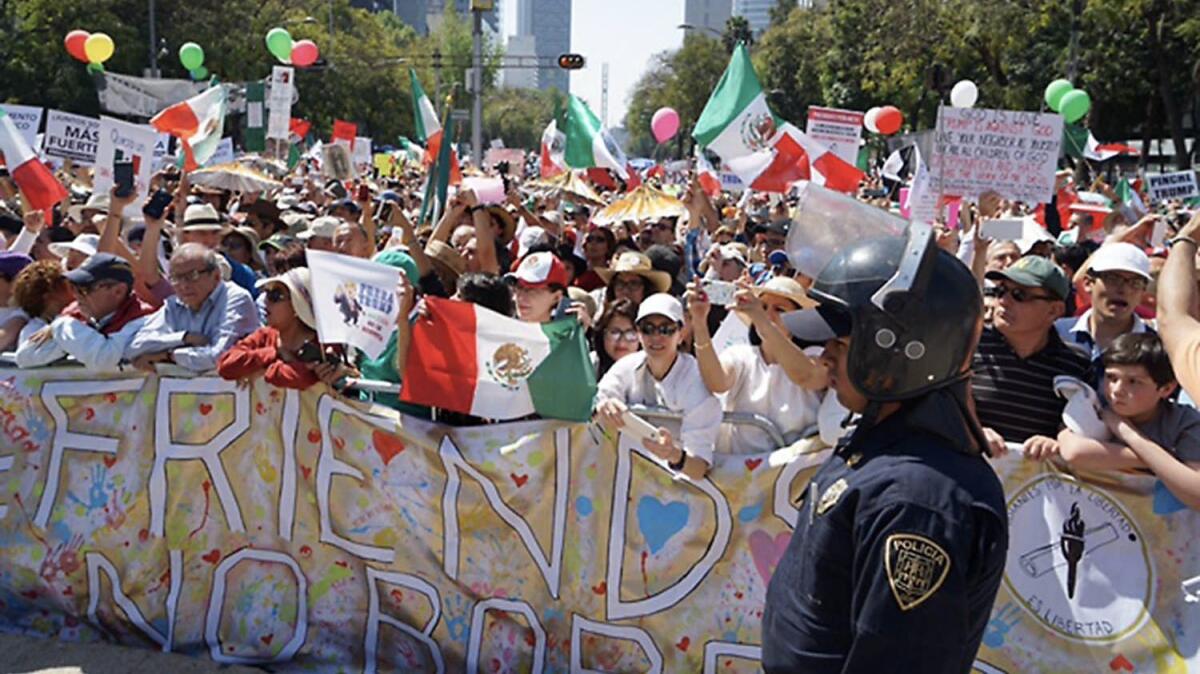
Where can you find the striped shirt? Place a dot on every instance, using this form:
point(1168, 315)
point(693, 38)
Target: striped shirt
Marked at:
point(1014, 396)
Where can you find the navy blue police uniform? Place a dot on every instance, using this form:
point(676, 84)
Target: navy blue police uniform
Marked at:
point(895, 560)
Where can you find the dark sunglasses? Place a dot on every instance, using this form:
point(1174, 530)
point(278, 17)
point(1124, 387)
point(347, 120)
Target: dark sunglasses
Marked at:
point(275, 295)
point(1019, 295)
point(665, 330)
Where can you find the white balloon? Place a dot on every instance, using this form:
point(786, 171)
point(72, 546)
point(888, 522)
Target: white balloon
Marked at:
point(964, 94)
point(869, 120)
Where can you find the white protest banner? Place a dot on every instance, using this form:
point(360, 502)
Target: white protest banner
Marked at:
point(143, 96)
point(1011, 152)
point(838, 130)
point(223, 154)
point(27, 120)
point(362, 152)
point(73, 137)
point(1178, 185)
point(354, 300)
point(122, 141)
point(279, 102)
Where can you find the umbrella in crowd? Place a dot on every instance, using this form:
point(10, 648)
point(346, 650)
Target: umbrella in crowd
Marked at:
point(272, 167)
point(567, 185)
point(234, 177)
point(644, 203)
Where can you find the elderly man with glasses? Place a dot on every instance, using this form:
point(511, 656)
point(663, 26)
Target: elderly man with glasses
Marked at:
point(1020, 354)
point(200, 321)
point(97, 328)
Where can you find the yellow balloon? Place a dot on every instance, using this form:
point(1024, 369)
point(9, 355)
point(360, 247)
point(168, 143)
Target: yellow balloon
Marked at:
point(98, 48)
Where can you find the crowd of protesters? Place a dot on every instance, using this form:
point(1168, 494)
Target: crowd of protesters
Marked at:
point(219, 283)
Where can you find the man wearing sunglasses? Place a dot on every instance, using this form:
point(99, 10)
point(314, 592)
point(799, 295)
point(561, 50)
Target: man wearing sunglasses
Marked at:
point(660, 376)
point(96, 329)
point(200, 321)
point(1020, 354)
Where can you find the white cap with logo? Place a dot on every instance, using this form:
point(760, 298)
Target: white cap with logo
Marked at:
point(661, 304)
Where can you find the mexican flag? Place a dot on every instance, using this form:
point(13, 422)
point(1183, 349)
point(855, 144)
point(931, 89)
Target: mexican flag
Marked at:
point(588, 145)
point(551, 156)
point(1079, 143)
point(469, 359)
point(766, 152)
point(429, 129)
point(38, 185)
point(710, 182)
point(198, 123)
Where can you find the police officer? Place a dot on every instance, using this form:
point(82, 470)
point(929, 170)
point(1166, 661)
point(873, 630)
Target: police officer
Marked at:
point(900, 543)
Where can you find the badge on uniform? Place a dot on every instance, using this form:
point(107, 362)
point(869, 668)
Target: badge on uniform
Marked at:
point(916, 568)
point(831, 495)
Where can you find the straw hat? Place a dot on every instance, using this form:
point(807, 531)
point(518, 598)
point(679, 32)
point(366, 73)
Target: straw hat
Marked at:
point(787, 288)
point(633, 262)
point(445, 258)
point(298, 281)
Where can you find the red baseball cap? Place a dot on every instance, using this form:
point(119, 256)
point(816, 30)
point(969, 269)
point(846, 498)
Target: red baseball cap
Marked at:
point(538, 270)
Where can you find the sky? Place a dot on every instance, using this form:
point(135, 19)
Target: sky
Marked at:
point(622, 33)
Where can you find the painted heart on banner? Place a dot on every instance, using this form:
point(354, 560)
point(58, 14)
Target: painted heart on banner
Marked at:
point(386, 445)
point(660, 521)
point(767, 551)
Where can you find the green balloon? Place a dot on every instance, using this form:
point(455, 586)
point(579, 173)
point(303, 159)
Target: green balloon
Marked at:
point(200, 73)
point(279, 43)
point(1054, 93)
point(191, 55)
point(95, 67)
point(1074, 105)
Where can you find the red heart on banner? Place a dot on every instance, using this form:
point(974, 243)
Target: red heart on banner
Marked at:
point(205, 409)
point(339, 443)
point(110, 398)
point(305, 471)
point(601, 588)
point(387, 446)
point(109, 460)
point(1120, 663)
point(89, 414)
point(519, 480)
point(314, 436)
point(267, 639)
point(751, 464)
point(398, 596)
point(212, 557)
point(683, 644)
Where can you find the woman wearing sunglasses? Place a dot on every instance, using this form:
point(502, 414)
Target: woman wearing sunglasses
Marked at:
point(284, 350)
point(661, 376)
point(614, 336)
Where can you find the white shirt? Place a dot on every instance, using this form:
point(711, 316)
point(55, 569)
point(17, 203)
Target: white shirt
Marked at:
point(91, 348)
point(766, 390)
point(682, 390)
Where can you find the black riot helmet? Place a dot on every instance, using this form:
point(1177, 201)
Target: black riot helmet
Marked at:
point(913, 313)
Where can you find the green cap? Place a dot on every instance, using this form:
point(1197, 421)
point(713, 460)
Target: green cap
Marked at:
point(401, 260)
point(1035, 271)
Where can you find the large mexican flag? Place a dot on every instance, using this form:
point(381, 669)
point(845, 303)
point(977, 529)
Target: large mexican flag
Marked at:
point(469, 359)
point(588, 144)
point(766, 152)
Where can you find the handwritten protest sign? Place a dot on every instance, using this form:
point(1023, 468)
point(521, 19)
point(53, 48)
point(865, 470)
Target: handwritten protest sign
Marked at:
point(122, 141)
point(1010, 152)
point(73, 137)
point(256, 525)
point(838, 130)
point(354, 300)
point(1178, 185)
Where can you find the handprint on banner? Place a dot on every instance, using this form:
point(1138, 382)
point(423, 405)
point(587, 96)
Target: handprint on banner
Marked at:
point(1001, 624)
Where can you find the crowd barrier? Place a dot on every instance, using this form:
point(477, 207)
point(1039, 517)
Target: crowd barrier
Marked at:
point(311, 533)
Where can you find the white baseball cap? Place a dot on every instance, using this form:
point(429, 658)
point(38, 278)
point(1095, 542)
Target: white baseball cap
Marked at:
point(323, 227)
point(1121, 257)
point(661, 304)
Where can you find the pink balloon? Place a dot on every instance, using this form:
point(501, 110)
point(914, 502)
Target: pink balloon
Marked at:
point(664, 124)
point(304, 53)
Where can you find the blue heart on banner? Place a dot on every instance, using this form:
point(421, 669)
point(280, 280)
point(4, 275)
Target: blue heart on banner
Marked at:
point(660, 521)
point(1165, 502)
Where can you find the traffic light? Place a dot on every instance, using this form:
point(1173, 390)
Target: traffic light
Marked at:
point(570, 61)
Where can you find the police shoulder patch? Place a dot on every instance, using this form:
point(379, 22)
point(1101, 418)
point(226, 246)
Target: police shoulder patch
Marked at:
point(916, 567)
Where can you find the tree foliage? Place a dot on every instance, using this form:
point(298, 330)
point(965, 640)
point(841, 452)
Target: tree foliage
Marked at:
point(518, 116)
point(682, 79)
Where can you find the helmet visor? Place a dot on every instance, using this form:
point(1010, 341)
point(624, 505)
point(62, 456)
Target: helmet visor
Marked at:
point(825, 221)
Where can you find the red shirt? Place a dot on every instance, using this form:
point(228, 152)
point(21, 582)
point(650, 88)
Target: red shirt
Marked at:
point(589, 281)
point(259, 351)
point(130, 310)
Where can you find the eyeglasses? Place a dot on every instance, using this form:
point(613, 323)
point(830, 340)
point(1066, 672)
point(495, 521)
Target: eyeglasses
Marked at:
point(89, 289)
point(1019, 295)
point(1117, 280)
point(190, 276)
point(276, 295)
point(665, 330)
point(619, 335)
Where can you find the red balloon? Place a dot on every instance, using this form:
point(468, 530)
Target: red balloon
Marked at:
point(890, 120)
point(304, 53)
point(74, 43)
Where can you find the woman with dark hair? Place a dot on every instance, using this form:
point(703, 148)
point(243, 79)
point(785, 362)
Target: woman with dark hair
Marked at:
point(631, 276)
point(615, 335)
point(598, 248)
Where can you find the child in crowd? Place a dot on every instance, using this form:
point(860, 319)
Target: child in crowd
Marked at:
point(1150, 431)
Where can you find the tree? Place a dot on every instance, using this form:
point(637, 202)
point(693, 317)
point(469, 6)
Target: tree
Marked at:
point(737, 29)
point(682, 79)
point(518, 116)
point(781, 10)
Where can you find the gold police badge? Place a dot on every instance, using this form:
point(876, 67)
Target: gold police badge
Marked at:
point(831, 496)
point(916, 568)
